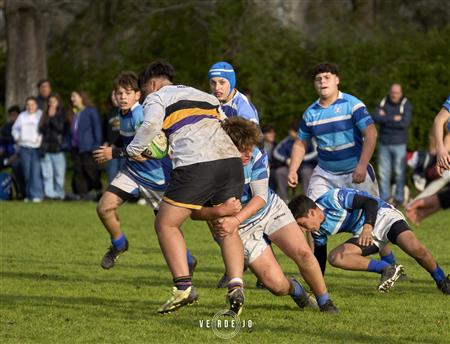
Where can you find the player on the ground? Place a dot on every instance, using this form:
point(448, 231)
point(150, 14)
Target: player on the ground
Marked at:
point(137, 178)
point(373, 223)
point(265, 215)
point(346, 138)
point(222, 80)
point(207, 170)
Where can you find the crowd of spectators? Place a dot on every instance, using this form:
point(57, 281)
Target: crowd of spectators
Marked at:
point(36, 141)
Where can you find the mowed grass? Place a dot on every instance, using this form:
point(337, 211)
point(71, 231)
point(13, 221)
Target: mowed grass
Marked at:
point(54, 291)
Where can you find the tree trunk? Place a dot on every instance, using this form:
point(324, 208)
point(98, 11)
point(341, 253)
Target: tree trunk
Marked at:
point(26, 60)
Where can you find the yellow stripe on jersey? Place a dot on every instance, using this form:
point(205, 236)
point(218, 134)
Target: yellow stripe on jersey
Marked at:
point(179, 115)
point(182, 205)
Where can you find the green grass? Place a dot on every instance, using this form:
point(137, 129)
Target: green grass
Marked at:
point(54, 291)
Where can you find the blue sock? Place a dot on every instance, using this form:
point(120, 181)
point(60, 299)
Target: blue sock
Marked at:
point(438, 274)
point(189, 257)
point(321, 299)
point(119, 243)
point(390, 258)
point(377, 265)
point(297, 289)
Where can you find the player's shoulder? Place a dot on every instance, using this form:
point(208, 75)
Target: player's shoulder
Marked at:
point(351, 100)
point(311, 110)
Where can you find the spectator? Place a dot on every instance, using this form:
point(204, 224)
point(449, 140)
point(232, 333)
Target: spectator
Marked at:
point(8, 153)
point(53, 161)
point(394, 116)
point(44, 91)
point(269, 143)
point(282, 160)
point(111, 133)
point(86, 136)
point(26, 134)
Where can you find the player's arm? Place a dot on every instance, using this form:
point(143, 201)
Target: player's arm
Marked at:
point(443, 158)
point(297, 155)
point(231, 206)
point(150, 127)
point(369, 144)
point(260, 191)
point(370, 208)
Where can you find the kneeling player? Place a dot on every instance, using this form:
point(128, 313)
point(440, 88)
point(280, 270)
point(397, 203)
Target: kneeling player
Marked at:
point(373, 223)
point(264, 214)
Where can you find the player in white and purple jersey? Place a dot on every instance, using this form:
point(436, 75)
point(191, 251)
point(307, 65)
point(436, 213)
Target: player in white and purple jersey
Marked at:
point(222, 80)
point(373, 223)
point(146, 178)
point(265, 218)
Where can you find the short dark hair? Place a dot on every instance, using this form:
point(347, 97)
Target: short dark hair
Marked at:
point(14, 108)
point(157, 69)
point(244, 134)
point(127, 80)
point(42, 81)
point(325, 68)
point(300, 205)
point(267, 128)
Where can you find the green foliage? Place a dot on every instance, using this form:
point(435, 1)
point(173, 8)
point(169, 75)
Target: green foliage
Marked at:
point(53, 289)
point(272, 61)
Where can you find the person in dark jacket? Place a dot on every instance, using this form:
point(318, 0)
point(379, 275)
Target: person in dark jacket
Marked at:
point(86, 136)
point(53, 161)
point(393, 114)
point(44, 91)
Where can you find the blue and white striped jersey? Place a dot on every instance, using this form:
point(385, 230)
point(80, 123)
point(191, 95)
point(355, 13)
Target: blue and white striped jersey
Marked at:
point(340, 217)
point(257, 169)
point(446, 105)
point(240, 106)
point(149, 173)
point(339, 130)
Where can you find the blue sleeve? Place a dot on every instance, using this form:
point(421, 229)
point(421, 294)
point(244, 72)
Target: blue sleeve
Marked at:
point(345, 197)
point(138, 117)
point(446, 104)
point(260, 169)
point(248, 112)
point(319, 239)
point(304, 132)
point(361, 117)
point(96, 127)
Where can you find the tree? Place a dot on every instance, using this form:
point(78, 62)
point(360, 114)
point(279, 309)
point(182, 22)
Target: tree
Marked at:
point(26, 34)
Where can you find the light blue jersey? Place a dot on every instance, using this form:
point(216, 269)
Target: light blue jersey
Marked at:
point(150, 173)
point(339, 130)
point(340, 217)
point(446, 105)
point(257, 169)
point(240, 106)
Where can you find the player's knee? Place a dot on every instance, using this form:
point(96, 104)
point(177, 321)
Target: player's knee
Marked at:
point(305, 255)
point(334, 258)
point(104, 209)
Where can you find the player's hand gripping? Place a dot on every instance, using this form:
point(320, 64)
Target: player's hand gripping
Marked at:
point(103, 154)
point(365, 238)
point(359, 174)
point(443, 161)
point(292, 179)
point(231, 206)
point(226, 225)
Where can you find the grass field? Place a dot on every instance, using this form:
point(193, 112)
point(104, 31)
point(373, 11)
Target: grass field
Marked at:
point(54, 291)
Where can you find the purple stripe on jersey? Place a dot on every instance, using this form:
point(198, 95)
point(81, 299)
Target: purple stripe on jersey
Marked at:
point(186, 121)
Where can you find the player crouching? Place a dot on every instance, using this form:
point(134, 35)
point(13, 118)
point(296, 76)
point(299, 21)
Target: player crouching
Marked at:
point(265, 215)
point(373, 223)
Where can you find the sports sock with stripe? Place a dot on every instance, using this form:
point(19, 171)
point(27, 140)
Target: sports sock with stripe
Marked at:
point(182, 282)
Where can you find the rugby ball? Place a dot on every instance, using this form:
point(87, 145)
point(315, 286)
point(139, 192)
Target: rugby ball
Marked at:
point(158, 148)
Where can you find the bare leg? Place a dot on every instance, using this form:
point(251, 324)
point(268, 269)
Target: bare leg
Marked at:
point(171, 240)
point(409, 243)
point(348, 257)
point(107, 212)
point(268, 271)
point(291, 240)
point(232, 254)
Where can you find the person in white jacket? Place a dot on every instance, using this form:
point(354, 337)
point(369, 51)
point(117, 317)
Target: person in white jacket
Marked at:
point(26, 134)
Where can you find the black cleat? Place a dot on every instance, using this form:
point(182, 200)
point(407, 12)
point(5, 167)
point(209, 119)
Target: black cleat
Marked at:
point(111, 256)
point(329, 307)
point(236, 300)
point(389, 276)
point(304, 300)
point(192, 266)
point(223, 282)
point(444, 285)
